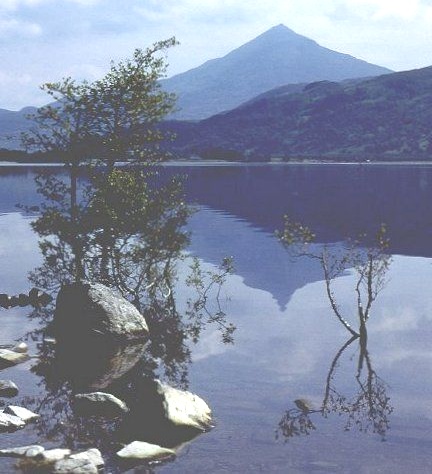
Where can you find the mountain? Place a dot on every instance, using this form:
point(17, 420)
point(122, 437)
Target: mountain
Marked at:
point(277, 57)
point(387, 117)
point(12, 124)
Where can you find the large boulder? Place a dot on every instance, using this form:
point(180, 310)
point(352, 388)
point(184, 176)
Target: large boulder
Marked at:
point(93, 308)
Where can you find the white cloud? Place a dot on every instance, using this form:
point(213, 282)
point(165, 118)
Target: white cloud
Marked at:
point(86, 3)
point(54, 38)
point(23, 28)
point(12, 5)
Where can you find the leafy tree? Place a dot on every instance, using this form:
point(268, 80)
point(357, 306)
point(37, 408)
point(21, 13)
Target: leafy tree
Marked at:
point(107, 121)
point(111, 119)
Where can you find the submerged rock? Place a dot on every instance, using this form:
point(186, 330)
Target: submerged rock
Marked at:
point(184, 408)
point(86, 308)
point(144, 451)
point(99, 403)
point(23, 451)
point(8, 389)
point(21, 412)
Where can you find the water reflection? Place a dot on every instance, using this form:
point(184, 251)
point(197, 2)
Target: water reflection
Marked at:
point(368, 407)
point(125, 229)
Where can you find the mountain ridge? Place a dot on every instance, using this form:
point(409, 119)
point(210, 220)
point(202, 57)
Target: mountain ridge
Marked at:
point(386, 117)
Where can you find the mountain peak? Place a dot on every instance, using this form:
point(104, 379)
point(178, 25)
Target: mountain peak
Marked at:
point(277, 57)
point(282, 32)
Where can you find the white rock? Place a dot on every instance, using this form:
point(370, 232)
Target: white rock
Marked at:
point(9, 358)
point(10, 422)
point(100, 402)
point(52, 455)
point(21, 347)
point(184, 408)
point(142, 450)
point(8, 389)
point(21, 412)
point(74, 466)
point(93, 455)
point(23, 451)
point(50, 341)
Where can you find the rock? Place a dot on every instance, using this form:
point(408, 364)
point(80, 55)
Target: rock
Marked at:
point(38, 297)
point(21, 412)
point(144, 451)
point(23, 300)
point(74, 466)
point(44, 299)
point(52, 455)
point(93, 308)
point(8, 358)
point(93, 455)
point(8, 389)
point(49, 341)
point(99, 403)
point(21, 347)
point(13, 301)
point(10, 422)
point(184, 408)
point(34, 294)
point(23, 451)
point(303, 405)
point(4, 300)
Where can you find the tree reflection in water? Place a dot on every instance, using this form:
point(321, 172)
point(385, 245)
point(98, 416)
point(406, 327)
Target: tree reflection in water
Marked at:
point(369, 408)
point(130, 231)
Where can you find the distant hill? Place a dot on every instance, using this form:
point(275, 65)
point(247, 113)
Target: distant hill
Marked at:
point(387, 117)
point(277, 57)
point(11, 125)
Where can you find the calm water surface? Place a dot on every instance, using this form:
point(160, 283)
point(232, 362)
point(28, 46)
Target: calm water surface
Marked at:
point(288, 344)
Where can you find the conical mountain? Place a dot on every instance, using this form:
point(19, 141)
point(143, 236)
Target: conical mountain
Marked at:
point(277, 57)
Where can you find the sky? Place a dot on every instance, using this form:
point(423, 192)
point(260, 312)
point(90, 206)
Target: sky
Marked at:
point(46, 40)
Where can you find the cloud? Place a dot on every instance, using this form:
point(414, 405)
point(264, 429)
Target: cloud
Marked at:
point(50, 38)
point(22, 28)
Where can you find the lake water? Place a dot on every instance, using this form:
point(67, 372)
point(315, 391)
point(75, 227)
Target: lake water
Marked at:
point(288, 345)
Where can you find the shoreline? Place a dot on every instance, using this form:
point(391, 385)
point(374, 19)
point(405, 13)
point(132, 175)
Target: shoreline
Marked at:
point(203, 163)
